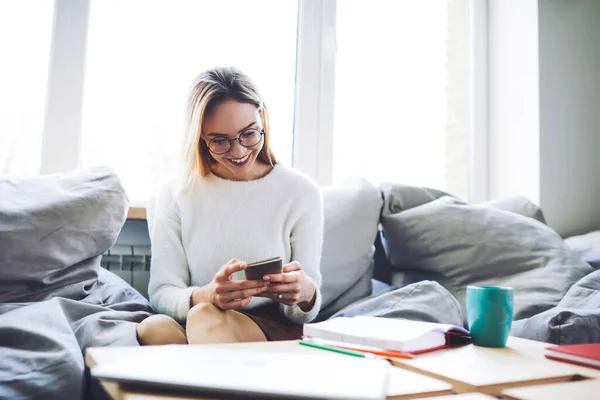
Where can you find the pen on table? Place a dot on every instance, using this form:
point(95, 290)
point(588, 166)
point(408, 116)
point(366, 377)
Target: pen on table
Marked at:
point(305, 342)
point(374, 351)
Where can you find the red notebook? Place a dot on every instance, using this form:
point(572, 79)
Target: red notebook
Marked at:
point(582, 354)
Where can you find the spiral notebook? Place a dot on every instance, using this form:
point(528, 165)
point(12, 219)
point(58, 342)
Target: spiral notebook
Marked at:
point(387, 333)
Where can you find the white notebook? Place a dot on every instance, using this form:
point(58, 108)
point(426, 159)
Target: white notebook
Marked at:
point(386, 333)
point(210, 370)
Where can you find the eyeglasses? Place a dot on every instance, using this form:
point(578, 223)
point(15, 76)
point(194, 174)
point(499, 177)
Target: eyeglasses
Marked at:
point(221, 145)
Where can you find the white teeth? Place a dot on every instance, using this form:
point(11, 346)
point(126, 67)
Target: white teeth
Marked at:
point(241, 160)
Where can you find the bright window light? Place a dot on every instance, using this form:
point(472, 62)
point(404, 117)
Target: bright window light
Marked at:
point(25, 47)
point(142, 58)
point(391, 91)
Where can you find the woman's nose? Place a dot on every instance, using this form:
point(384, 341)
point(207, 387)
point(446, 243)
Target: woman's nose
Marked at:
point(236, 148)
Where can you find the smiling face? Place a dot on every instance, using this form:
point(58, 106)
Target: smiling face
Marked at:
point(232, 120)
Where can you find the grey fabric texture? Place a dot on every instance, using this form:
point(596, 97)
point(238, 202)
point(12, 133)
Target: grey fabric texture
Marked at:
point(480, 244)
point(588, 247)
point(399, 197)
point(42, 343)
point(518, 205)
point(422, 301)
point(575, 320)
point(55, 299)
point(351, 213)
point(358, 290)
point(53, 231)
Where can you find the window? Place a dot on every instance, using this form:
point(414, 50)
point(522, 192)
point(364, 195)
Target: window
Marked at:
point(392, 90)
point(399, 87)
point(142, 57)
point(23, 82)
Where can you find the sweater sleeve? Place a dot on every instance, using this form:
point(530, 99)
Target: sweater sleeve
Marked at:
point(169, 288)
point(307, 242)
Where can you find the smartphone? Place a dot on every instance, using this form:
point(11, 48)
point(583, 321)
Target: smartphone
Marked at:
point(258, 269)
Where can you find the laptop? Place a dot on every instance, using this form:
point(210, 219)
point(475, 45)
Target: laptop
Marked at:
point(209, 370)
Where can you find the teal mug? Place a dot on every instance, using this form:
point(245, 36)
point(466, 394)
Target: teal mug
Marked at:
point(490, 314)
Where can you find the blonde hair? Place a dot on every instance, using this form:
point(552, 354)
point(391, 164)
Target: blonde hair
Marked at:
point(209, 89)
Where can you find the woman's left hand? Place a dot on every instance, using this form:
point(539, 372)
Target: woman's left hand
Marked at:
point(291, 287)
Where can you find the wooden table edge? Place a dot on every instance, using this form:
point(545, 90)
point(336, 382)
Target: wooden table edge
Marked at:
point(497, 389)
point(490, 389)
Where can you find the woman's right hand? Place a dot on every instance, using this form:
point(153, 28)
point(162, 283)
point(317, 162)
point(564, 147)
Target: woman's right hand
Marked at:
point(227, 294)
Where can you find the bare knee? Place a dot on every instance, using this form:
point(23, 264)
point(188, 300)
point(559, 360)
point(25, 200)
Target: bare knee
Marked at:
point(206, 314)
point(160, 329)
point(205, 321)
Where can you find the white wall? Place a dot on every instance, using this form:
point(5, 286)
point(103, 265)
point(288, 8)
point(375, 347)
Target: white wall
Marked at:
point(569, 69)
point(513, 102)
point(544, 107)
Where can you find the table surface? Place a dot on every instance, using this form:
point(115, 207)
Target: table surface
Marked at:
point(481, 369)
point(519, 370)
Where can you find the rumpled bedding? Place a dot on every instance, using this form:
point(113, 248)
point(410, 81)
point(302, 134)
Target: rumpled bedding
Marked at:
point(42, 343)
point(55, 299)
point(450, 244)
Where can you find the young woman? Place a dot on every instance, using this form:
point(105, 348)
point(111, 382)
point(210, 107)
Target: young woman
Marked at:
point(233, 204)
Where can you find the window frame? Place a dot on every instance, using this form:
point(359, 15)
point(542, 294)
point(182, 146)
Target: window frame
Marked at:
point(314, 92)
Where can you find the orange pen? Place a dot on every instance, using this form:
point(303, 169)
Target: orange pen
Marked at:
point(364, 349)
point(382, 353)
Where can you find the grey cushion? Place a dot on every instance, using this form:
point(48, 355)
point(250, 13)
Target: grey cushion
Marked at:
point(423, 301)
point(351, 212)
point(398, 198)
point(404, 197)
point(480, 244)
point(53, 231)
point(519, 205)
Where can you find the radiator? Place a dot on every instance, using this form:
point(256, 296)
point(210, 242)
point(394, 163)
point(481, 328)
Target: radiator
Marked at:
point(131, 263)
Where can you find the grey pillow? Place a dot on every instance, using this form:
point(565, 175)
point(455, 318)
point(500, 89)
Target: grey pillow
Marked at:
point(399, 197)
point(479, 244)
point(405, 197)
point(519, 205)
point(351, 213)
point(53, 231)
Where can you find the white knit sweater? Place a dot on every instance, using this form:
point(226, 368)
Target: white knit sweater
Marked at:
point(196, 233)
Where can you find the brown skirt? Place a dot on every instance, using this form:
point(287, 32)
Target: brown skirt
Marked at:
point(273, 323)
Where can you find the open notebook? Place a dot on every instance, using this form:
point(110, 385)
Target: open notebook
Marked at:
point(387, 333)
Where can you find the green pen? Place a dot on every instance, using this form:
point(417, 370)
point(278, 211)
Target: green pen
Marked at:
point(335, 349)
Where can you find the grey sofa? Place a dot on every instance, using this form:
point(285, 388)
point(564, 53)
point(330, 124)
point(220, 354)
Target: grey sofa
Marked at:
point(380, 243)
point(392, 251)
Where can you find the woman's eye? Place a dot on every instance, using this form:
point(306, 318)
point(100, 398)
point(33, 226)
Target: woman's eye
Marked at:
point(219, 141)
point(248, 134)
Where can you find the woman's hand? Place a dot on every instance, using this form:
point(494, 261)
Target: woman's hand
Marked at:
point(291, 287)
point(227, 294)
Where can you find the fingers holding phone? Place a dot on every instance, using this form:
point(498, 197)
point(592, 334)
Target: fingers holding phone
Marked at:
point(290, 287)
point(228, 294)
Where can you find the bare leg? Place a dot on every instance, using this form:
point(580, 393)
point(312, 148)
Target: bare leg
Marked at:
point(160, 329)
point(207, 324)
